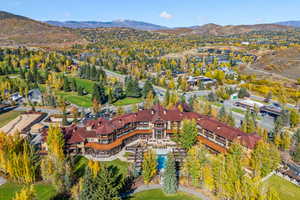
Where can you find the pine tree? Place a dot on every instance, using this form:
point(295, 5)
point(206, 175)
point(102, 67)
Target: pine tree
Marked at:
point(149, 166)
point(296, 154)
point(148, 88)
point(89, 185)
point(74, 85)
point(108, 184)
point(170, 182)
point(66, 85)
point(167, 98)
point(222, 114)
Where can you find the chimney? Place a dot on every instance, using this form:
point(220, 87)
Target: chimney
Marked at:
point(165, 111)
point(152, 112)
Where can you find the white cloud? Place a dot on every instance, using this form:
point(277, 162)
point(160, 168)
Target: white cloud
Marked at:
point(166, 15)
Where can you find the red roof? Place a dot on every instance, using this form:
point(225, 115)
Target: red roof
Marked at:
point(158, 112)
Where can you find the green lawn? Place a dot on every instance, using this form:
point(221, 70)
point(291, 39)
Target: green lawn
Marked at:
point(238, 110)
point(43, 191)
point(72, 97)
point(123, 166)
point(217, 104)
point(286, 190)
point(81, 163)
point(128, 101)
point(86, 84)
point(159, 195)
point(8, 116)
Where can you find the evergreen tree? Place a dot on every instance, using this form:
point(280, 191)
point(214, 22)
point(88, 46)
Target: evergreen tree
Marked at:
point(109, 183)
point(74, 85)
point(148, 88)
point(80, 90)
point(132, 88)
point(89, 185)
point(99, 93)
point(170, 183)
point(297, 136)
point(66, 85)
point(243, 93)
point(296, 154)
point(222, 114)
point(167, 98)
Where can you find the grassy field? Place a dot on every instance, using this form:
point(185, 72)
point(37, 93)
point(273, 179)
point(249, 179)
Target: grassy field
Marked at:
point(81, 163)
point(128, 101)
point(286, 190)
point(72, 97)
point(238, 110)
point(159, 195)
point(86, 84)
point(8, 116)
point(43, 191)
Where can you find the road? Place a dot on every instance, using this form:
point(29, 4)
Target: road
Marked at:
point(258, 98)
point(266, 122)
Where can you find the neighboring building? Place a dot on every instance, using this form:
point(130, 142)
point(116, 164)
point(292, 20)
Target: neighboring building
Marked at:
point(272, 110)
point(193, 81)
point(35, 96)
point(245, 43)
point(103, 138)
point(247, 103)
point(16, 97)
point(23, 123)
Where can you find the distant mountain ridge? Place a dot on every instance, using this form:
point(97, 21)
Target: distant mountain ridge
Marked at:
point(117, 23)
point(295, 24)
point(218, 30)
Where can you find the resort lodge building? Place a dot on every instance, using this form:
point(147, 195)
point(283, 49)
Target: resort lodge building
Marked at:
point(103, 138)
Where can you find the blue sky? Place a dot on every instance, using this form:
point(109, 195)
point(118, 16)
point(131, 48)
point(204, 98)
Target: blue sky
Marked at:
point(172, 13)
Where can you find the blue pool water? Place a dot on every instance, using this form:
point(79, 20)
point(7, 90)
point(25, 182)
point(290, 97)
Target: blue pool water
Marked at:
point(161, 162)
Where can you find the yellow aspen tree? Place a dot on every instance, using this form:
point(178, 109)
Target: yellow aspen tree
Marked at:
point(208, 179)
point(27, 193)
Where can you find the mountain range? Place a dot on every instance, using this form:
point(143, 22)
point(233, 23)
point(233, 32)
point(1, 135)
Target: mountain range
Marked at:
point(295, 24)
point(151, 27)
point(117, 23)
point(19, 30)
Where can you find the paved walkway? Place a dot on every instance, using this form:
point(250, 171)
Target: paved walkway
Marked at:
point(181, 188)
point(268, 176)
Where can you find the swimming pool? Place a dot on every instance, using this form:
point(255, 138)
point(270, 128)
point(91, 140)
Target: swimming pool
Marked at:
point(161, 162)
